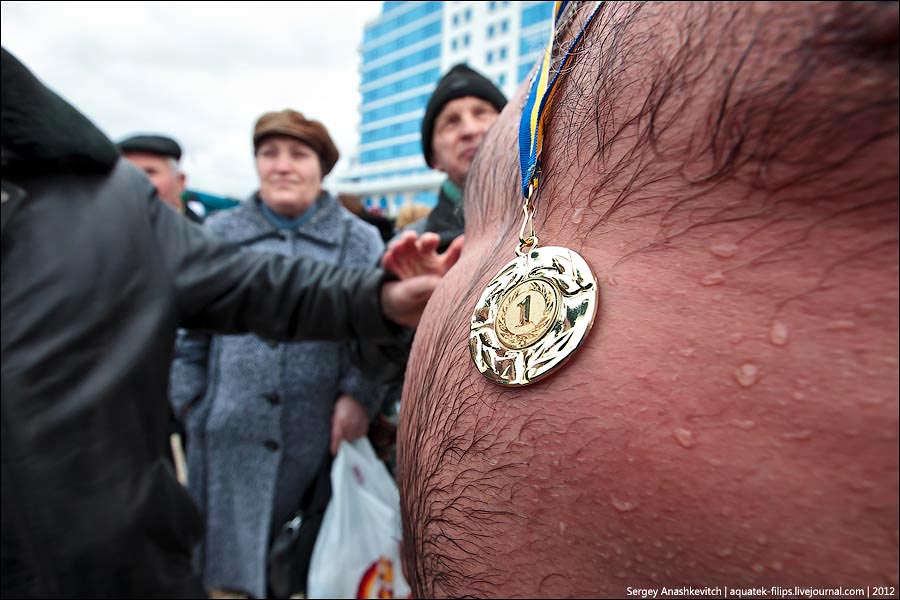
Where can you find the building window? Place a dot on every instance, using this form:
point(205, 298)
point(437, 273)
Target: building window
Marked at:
point(492, 6)
point(503, 53)
point(504, 26)
point(455, 20)
point(466, 40)
point(490, 57)
point(453, 44)
point(501, 80)
point(468, 15)
point(490, 31)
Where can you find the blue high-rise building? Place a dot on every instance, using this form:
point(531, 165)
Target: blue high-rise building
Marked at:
point(404, 53)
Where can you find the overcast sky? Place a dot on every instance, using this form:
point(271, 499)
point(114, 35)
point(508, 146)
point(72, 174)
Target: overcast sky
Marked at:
point(202, 72)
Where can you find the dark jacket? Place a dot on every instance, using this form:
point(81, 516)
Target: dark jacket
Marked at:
point(97, 273)
point(446, 218)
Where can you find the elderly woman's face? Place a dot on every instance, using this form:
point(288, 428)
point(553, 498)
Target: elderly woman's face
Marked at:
point(290, 175)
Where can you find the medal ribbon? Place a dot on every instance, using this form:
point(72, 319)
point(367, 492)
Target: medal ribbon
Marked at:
point(531, 126)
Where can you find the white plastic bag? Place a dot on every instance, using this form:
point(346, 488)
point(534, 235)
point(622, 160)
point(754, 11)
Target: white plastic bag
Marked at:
point(357, 552)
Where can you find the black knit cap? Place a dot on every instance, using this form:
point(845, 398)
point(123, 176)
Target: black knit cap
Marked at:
point(460, 81)
point(151, 144)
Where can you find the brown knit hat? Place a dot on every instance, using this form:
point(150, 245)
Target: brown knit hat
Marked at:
point(294, 124)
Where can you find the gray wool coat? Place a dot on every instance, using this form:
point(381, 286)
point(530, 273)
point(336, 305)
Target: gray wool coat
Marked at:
point(258, 414)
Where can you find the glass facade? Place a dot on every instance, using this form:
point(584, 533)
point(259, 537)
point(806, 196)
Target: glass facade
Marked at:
point(403, 55)
point(391, 131)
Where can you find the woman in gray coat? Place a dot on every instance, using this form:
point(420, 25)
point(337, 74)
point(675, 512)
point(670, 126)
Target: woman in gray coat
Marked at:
point(261, 416)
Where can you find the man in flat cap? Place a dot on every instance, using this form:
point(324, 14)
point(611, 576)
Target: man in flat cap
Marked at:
point(158, 156)
point(462, 108)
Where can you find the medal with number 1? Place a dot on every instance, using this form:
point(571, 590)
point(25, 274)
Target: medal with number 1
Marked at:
point(536, 312)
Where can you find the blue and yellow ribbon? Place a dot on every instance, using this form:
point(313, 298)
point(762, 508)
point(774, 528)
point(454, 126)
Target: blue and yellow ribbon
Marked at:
point(531, 126)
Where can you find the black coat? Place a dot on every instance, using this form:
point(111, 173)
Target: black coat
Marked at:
point(97, 274)
point(446, 219)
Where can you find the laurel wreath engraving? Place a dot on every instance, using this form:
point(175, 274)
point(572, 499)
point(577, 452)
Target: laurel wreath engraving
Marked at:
point(526, 339)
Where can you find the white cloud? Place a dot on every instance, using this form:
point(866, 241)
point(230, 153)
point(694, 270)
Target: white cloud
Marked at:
point(200, 71)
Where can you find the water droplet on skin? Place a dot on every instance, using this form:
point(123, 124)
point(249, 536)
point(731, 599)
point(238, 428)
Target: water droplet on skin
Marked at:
point(867, 308)
point(562, 528)
point(658, 544)
point(842, 324)
point(684, 437)
point(862, 485)
point(758, 568)
point(724, 249)
point(777, 565)
point(798, 395)
point(761, 539)
point(744, 424)
point(888, 436)
point(725, 552)
point(713, 278)
point(735, 338)
point(746, 374)
point(871, 401)
point(578, 215)
point(686, 352)
point(778, 333)
point(797, 436)
point(623, 505)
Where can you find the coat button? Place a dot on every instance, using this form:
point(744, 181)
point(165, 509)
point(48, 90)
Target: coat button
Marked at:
point(271, 445)
point(273, 398)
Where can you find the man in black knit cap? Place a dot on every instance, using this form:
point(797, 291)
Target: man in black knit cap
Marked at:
point(462, 108)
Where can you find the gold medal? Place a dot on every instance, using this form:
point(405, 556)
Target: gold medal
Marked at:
point(533, 315)
point(539, 308)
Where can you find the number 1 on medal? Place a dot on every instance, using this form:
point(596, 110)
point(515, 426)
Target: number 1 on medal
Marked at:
point(525, 310)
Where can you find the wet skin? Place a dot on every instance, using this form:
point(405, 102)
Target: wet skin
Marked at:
point(730, 174)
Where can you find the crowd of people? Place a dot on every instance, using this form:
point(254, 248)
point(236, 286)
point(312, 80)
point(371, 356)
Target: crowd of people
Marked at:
point(730, 173)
